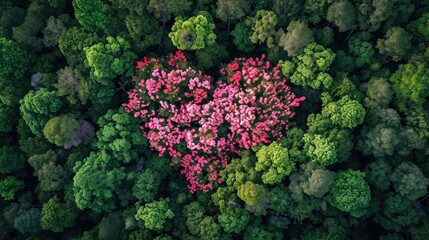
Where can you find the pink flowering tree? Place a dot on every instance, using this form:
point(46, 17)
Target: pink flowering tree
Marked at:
point(199, 122)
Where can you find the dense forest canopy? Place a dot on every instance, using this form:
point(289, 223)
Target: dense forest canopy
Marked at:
point(205, 119)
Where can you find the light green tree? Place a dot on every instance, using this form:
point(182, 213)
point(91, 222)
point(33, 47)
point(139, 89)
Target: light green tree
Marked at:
point(192, 34)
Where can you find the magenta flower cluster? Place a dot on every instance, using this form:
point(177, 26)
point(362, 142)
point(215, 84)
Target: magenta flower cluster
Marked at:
point(188, 116)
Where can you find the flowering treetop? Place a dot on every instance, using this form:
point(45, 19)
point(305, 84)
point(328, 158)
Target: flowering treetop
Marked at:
point(188, 116)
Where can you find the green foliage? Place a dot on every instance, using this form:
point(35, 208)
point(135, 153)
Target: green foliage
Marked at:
point(263, 27)
point(209, 229)
point(298, 36)
point(410, 83)
point(239, 171)
point(119, 135)
point(28, 220)
point(312, 180)
point(61, 129)
point(361, 50)
point(396, 44)
point(398, 212)
point(242, 33)
point(211, 56)
point(111, 227)
point(11, 159)
point(14, 60)
point(350, 193)
point(194, 214)
point(319, 149)
point(287, 10)
point(257, 233)
point(274, 163)
point(91, 14)
point(360, 138)
point(342, 14)
point(97, 183)
point(7, 118)
point(165, 9)
point(110, 60)
point(252, 193)
point(147, 185)
point(9, 186)
point(72, 42)
point(378, 174)
point(409, 181)
point(155, 214)
point(193, 34)
point(37, 107)
point(228, 10)
point(346, 113)
point(234, 219)
point(72, 84)
point(56, 216)
point(52, 31)
point(310, 67)
point(379, 93)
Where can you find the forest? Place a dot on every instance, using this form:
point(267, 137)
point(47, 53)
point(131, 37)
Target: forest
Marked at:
point(214, 119)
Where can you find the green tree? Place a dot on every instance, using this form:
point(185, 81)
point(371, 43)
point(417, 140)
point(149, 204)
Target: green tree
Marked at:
point(242, 33)
point(234, 219)
point(319, 149)
point(312, 180)
point(52, 31)
point(8, 118)
point(361, 50)
point(57, 216)
point(252, 193)
point(14, 60)
point(228, 10)
point(61, 129)
point(155, 214)
point(287, 10)
point(192, 34)
point(263, 26)
point(410, 83)
point(378, 174)
point(111, 227)
point(91, 14)
point(297, 37)
point(398, 212)
point(9, 186)
point(96, 183)
point(274, 163)
point(239, 171)
point(147, 185)
point(72, 84)
point(110, 60)
point(37, 107)
point(209, 229)
point(194, 214)
point(396, 44)
point(346, 113)
point(120, 135)
point(342, 14)
point(310, 67)
point(379, 93)
point(350, 193)
point(72, 42)
point(28, 220)
point(254, 232)
point(52, 177)
point(409, 181)
point(11, 159)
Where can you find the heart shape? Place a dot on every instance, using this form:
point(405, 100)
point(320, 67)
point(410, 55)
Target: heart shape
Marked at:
point(189, 117)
